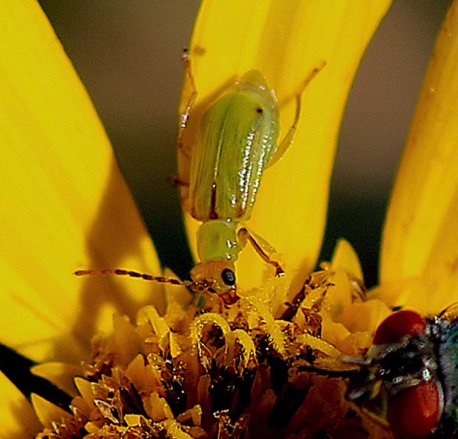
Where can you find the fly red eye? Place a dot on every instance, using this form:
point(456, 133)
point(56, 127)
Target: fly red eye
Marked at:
point(397, 325)
point(415, 411)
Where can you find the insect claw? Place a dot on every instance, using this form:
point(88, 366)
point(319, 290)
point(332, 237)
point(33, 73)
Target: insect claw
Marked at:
point(176, 181)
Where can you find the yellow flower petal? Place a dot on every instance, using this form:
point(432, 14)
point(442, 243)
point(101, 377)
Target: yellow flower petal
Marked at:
point(285, 40)
point(60, 374)
point(64, 203)
point(17, 418)
point(345, 257)
point(47, 412)
point(420, 239)
point(85, 390)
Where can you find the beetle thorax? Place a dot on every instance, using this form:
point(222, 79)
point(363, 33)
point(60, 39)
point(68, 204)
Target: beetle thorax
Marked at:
point(217, 240)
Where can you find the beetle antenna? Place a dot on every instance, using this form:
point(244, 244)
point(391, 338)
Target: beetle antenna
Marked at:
point(135, 274)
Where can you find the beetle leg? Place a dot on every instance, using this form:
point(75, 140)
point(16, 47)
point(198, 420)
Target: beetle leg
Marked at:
point(288, 139)
point(262, 248)
point(185, 115)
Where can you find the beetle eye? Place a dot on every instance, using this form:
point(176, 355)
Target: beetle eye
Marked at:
point(259, 110)
point(228, 277)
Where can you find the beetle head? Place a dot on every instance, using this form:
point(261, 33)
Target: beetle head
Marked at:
point(218, 277)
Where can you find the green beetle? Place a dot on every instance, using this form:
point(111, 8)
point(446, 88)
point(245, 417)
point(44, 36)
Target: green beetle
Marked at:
point(236, 140)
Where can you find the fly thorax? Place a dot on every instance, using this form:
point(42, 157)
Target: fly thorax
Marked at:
point(217, 240)
point(446, 340)
point(405, 364)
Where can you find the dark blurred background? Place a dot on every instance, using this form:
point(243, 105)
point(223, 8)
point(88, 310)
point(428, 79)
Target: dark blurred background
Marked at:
point(128, 53)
